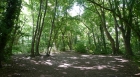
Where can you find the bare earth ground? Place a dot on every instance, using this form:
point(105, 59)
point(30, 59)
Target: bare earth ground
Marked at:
point(70, 65)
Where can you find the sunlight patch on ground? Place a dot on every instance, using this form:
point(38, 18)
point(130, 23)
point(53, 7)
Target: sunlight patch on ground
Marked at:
point(48, 60)
point(73, 57)
point(114, 69)
point(83, 68)
point(121, 60)
point(120, 65)
point(138, 74)
point(100, 67)
point(102, 56)
point(85, 55)
point(65, 65)
point(28, 58)
point(48, 63)
point(33, 61)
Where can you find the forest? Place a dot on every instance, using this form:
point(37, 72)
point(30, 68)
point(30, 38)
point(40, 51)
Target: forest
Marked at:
point(93, 27)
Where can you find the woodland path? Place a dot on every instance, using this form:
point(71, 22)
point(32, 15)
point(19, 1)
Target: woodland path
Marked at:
point(70, 65)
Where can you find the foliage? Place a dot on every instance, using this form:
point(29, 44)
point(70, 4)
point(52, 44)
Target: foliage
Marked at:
point(9, 15)
point(80, 47)
point(136, 59)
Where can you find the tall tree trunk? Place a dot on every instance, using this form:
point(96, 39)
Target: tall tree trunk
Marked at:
point(127, 44)
point(10, 16)
point(103, 38)
point(126, 33)
point(15, 29)
point(63, 40)
point(36, 30)
point(52, 28)
point(32, 44)
point(94, 39)
point(117, 41)
point(99, 44)
point(106, 31)
point(41, 29)
point(12, 41)
point(126, 27)
point(103, 21)
point(116, 31)
point(110, 39)
point(37, 39)
point(3, 41)
point(70, 41)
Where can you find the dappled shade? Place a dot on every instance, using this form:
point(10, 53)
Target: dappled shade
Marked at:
point(72, 64)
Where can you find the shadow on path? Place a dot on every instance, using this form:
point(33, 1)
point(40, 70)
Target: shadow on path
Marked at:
point(70, 65)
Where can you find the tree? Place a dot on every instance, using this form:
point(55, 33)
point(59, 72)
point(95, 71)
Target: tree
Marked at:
point(52, 28)
point(125, 15)
point(7, 23)
point(39, 28)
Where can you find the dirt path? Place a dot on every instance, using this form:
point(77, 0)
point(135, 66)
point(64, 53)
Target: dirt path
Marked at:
point(70, 65)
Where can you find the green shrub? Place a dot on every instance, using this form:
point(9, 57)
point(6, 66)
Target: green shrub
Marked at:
point(80, 47)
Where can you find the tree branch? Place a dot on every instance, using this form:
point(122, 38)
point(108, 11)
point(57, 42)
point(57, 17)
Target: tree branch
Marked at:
point(100, 5)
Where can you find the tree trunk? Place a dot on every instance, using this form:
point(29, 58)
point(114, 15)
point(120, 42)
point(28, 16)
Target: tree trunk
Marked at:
point(13, 7)
point(127, 43)
point(32, 48)
point(37, 39)
point(103, 38)
point(107, 33)
point(52, 28)
point(117, 41)
point(41, 29)
point(126, 27)
point(13, 36)
point(111, 40)
point(99, 44)
point(116, 31)
point(35, 33)
point(12, 40)
point(3, 41)
point(94, 39)
point(63, 40)
point(70, 41)
point(103, 22)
